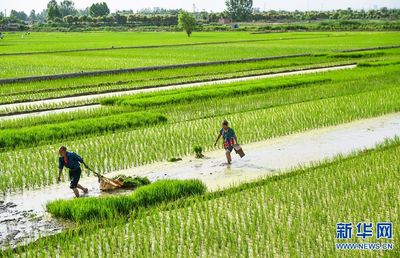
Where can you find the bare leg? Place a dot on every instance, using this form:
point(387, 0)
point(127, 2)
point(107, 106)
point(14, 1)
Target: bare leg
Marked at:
point(76, 192)
point(228, 157)
point(85, 190)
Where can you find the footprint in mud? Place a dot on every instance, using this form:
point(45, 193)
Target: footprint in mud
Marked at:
point(17, 226)
point(198, 165)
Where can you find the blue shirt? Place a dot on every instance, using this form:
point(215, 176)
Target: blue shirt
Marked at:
point(74, 161)
point(228, 135)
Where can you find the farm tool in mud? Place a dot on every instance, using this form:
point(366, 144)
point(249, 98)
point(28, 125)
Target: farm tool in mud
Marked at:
point(106, 183)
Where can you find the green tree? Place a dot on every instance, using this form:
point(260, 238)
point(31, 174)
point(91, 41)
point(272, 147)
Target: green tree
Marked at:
point(83, 19)
point(69, 19)
point(99, 9)
point(187, 22)
point(204, 16)
point(58, 20)
point(53, 10)
point(121, 19)
point(67, 8)
point(32, 16)
point(132, 18)
point(239, 10)
point(18, 15)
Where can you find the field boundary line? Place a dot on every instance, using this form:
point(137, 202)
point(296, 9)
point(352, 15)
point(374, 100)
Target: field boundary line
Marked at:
point(366, 49)
point(145, 68)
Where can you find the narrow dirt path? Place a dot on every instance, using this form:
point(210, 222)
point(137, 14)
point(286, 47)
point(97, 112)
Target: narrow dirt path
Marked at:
point(19, 106)
point(262, 158)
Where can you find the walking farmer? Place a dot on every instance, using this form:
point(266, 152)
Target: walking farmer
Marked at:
point(72, 161)
point(229, 137)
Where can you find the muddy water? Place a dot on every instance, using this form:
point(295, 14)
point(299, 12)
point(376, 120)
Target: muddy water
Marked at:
point(23, 217)
point(188, 85)
point(277, 154)
point(23, 214)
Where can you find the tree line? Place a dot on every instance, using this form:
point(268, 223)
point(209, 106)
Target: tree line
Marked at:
point(236, 11)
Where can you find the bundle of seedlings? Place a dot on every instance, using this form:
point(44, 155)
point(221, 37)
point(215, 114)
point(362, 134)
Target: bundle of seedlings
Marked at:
point(199, 152)
point(122, 181)
point(132, 182)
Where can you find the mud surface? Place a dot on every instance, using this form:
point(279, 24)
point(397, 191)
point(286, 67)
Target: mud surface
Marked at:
point(20, 225)
point(279, 154)
point(23, 216)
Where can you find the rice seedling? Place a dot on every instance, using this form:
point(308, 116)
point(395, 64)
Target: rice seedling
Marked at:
point(378, 63)
point(45, 41)
point(29, 91)
point(359, 55)
point(36, 107)
point(293, 213)
point(161, 191)
point(199, 151)
point(29, 121)
point(141, 146)
point(227, 90)
point(35, 135)
point(17, 66)
point(132, 182)
point(338, 83)
point(288, 214)
point(17, 92)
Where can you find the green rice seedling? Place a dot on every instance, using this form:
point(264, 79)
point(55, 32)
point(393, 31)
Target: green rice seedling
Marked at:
point(174, 159)
point(16, 66)
point(177, 96)
point(283, 214)
point(378, 63)
point(55, 118)
point(50, 41)
point(286, 113)
point(17, 92)
point(34, 107)
point(199, 151)
point(32, 136)
point(343, 82)
point(206, 93)
point(132, 182)
point(161, 191)
point(359, 55)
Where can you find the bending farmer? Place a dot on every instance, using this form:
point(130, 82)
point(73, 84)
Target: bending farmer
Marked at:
point(229, 137)
point(72, 161)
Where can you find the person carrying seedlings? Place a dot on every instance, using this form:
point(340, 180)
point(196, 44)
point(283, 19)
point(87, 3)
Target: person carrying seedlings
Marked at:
point(72, 161)
point(229, 137)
